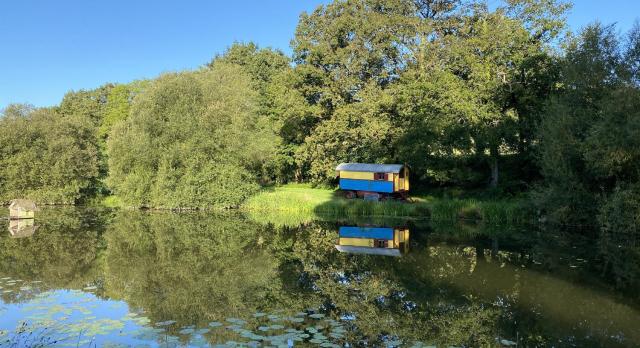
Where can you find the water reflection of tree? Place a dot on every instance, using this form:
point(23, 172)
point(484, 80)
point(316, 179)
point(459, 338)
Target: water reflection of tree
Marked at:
point(470, 286)
point(546, 287)
point(61, 254)
point(460, 285)
point(620, 254)
point(191, 268)
point(198, 268)
point(389, 297)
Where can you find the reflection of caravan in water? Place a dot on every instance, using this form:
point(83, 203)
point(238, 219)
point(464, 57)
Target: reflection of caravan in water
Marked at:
point(373, 240)
point(22, 228)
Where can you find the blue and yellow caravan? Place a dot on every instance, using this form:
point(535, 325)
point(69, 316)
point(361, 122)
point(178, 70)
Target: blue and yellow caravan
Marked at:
point(360, 179)
point(373, 240)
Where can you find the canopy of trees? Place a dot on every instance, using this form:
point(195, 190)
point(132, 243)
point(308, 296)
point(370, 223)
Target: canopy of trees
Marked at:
point(590, 134)
point(46, 155)
point(470, 96)
point(192, 140)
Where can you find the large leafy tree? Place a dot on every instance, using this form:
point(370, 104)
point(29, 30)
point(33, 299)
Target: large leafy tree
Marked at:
point(45, 156)
point(347, 54)
point(589, 138)
point(358, 56)
point(262, 64)
point(499, 66)
point(192, 140)
point(267, 68)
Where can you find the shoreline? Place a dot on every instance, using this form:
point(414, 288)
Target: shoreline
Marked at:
point(305, 201)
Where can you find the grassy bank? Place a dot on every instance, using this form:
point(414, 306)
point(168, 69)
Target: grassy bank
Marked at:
point(304, 203)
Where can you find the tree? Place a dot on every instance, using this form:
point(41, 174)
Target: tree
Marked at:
point(434, 108)
point(88, 104)
point(503, 58)
point(265, 66)
point(193, 140)
point(45, 156)
point(359, 132)
point(116, 109)
point(262, 64)
point(341, 47)
point(589, 142)
point(499, 60)
point(340, 50)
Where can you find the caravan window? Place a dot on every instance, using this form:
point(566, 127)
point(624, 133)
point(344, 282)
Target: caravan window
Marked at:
point(402, 173)
point(380, 176)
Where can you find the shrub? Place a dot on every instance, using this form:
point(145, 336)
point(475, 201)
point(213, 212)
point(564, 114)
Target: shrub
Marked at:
point(46, 156)
point(620, 214)
point(193, 140)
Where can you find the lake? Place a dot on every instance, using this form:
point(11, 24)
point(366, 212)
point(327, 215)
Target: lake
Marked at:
point(86, 277)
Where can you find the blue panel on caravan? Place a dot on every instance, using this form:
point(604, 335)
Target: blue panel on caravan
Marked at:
point(366, 185)
point(366, 232)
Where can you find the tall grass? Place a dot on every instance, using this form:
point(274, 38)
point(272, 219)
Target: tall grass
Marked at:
point(505, 212)
point(303, 203)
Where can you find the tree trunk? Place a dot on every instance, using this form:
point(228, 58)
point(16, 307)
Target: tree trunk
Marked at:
point(494, 168)
point(494, 249)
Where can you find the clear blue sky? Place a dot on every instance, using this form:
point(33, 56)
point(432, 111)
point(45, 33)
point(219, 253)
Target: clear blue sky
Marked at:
point(49, 47)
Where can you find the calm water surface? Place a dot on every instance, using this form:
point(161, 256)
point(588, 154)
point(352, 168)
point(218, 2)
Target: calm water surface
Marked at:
point(93, 277)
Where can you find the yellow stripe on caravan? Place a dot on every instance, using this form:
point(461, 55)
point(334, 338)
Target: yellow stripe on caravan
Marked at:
point(356, 175)
point(365, 242)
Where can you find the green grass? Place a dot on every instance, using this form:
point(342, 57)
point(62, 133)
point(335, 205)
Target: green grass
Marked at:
point(301, 203)
point(295, 204)
point(111, 202)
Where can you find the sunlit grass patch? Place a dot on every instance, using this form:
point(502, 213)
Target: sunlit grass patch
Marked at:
point(112, 202)
point(304, 203)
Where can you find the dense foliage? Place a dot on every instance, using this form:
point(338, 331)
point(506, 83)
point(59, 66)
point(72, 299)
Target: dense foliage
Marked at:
point(399, 81)
point(590, 135)
point(192, 140)
point(469, 95)
point(46, 156)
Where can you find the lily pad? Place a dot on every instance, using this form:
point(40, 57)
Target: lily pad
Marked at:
point(320, 336)
point(338, 329)
point(236, 321)
point(329, 344)
point(166, 323)
point(187, 331)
